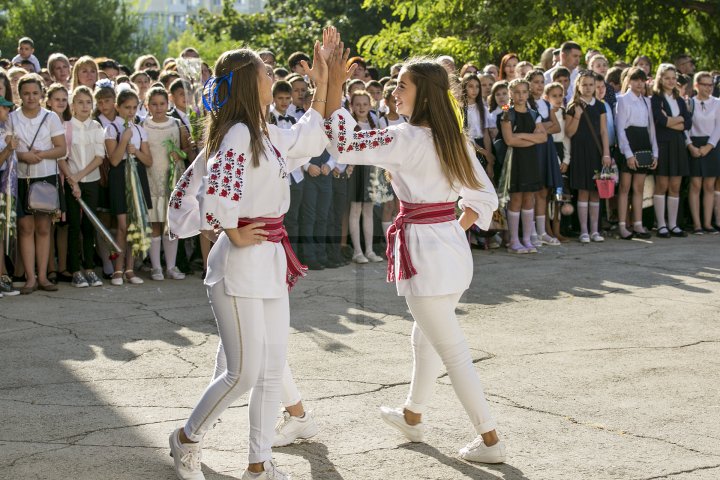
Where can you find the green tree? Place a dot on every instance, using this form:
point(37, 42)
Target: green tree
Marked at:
point(484, 31)
point(74, 27)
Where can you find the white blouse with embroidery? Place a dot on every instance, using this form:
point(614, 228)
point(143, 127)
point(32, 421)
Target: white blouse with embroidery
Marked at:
point(215, 194)
point(440, 252)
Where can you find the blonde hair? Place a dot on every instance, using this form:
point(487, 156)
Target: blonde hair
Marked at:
point(84, 61)
point(433, 108)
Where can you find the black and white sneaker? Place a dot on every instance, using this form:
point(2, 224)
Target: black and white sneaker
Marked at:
point(6, 288)
point(93, 279)
point(79, 280)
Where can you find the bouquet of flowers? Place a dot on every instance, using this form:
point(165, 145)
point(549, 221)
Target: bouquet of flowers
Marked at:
point(190, 70)
point(174, 172)
point(138, 230)
point(8, 196)
point(379, 189)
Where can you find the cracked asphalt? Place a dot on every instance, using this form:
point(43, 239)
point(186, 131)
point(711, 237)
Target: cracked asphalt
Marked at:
point(600, 362)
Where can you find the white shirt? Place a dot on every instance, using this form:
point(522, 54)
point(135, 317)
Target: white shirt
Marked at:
point(705, 120)
point(560, 137)
point(25, 129)
point(543, 109)
point(634, 111)
point(492, 118)
point(475, 129)
point(440, 252)
point(139, 134)
point(32, 58)
point(87, 142)
point(197, 203)
point(298, 113)
point(674, 108)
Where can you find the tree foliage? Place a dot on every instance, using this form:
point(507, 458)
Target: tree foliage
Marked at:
point(74, 27)
point(483, 31)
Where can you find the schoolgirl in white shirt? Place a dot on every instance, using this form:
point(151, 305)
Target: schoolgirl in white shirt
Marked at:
point(636, 132)
point(702, 142)
point(41, 138)
point(86, 150)
point(432, 164)
point(243, 191)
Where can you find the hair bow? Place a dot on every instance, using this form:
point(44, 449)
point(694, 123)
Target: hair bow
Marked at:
point(105, 83)
point(211, 90)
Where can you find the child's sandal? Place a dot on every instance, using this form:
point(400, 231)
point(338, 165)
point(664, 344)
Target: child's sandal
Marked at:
point(132, 278)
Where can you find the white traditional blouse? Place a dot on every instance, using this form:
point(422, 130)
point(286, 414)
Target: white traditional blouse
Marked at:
point(440, 252)
point(214, 194)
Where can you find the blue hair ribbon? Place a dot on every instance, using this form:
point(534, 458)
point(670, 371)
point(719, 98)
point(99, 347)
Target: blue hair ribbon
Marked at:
point(211, 89)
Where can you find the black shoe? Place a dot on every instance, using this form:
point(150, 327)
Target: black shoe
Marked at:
point(65, 277)
point(678, 232)
point(315, 265)
point(663, 232)
point(711, 230)
point(643, 235)
point(629, 237)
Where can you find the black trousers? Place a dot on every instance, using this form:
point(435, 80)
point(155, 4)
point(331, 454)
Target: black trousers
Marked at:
point(81, 250)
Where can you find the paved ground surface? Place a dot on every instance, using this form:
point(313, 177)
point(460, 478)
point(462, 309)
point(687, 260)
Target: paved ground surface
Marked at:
point(600, 362)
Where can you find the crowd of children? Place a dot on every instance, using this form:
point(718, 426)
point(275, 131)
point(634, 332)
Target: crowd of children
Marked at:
point(547, 136)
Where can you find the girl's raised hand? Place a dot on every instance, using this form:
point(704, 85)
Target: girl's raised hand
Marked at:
point(339, 72)
point(319, 71)
point(331, 40)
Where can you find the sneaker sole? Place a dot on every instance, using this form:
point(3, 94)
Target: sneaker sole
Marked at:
point(393, 422)
point(306, 435)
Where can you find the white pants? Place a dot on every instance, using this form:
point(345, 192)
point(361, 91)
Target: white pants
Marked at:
point(436, 340)
point(289, 395)
point(254, 335)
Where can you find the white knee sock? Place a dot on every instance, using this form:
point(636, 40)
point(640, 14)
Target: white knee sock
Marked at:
point(622, 227)
point(170, 247)
point(638, 227)
point(673, 205)
point(513, 226)
point(354, 226)
point(594, 217)
point(528, 223)
point(540, 225)
point(155, 243)
point(367, 221)
point(659, 204)
point(583, 217)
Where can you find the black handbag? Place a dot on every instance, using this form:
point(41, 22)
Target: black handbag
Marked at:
point(644, 158)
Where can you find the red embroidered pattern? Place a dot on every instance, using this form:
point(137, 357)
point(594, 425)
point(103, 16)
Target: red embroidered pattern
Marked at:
point(212, 221)
point(364, 139)
point(224, 167)
point(180, 188)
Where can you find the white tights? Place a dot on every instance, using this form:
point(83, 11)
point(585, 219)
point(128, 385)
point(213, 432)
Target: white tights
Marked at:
point(436, 340)
point(254, 335)
point(366, 208)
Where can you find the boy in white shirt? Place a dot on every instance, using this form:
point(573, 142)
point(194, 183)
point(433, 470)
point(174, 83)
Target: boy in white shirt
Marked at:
point(26, 50)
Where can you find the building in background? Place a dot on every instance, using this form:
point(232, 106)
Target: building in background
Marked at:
point(171, 16)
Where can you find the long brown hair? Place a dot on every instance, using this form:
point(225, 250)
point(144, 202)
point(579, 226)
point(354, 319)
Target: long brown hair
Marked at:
point(242, 101)
point(433, 108)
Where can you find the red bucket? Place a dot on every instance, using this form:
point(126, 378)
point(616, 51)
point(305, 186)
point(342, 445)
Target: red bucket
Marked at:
point(606, 188)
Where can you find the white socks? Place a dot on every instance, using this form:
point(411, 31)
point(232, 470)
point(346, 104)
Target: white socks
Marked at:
point(354, 226)
point(170, 247)
point(582, 208)
point(367, 220)
point(540, 225)
point(659, 204)
point(513, 226)
point(155, 243)
point(673, 205)
point(594, 217)
point(623, 229)
point(528, 222)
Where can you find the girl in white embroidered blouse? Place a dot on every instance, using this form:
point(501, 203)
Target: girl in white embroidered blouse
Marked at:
point(237, 188)
point(432, 164)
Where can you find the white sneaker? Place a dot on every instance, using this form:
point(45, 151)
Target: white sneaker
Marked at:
point(535, 241)
point(271, 473)
point(290, 428)
point(374, 257)
point(584, 238)
point(476, 451)
point(360, 258)
point(187, 458)
point(547, 239)
point(596, 237)
point(395, 418)
point(156, 274)
point(175, 274)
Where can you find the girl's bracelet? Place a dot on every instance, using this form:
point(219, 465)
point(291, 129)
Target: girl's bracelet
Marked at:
point(318, 101)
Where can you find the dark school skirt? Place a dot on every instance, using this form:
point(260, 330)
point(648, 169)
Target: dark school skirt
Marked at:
point(639, 139)
point(673, 157)
point(525, 170)
point(359, 184)
point(548, 164)
point(117, 185)
point(707, 166)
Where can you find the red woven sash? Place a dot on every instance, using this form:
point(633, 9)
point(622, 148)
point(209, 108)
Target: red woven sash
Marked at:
point(278, 234)
point(417, 213)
